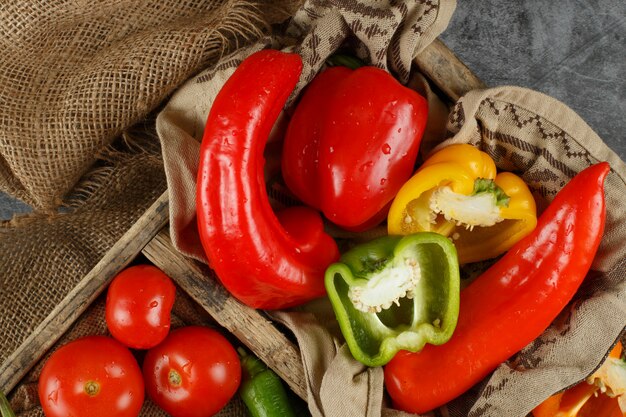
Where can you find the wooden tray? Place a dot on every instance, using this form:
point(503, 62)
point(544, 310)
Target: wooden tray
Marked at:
point(150, 236)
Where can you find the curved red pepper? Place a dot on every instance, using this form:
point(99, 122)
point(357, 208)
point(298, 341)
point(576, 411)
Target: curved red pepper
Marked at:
point(510, 304)
point(351, 144)
point(263, 263)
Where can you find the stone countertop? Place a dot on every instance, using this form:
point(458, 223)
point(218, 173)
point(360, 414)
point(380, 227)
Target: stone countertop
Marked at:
point(573, 50)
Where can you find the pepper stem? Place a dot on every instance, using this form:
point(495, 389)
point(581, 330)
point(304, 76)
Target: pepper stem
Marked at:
point(250, 365)
point(5, 407)
point(487, 186)
point(349, 61)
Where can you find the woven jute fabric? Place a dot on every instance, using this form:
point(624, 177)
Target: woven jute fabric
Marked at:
point(75, 74)
point(44, 257)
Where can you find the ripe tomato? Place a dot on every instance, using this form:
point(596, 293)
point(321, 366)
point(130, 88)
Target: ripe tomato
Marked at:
point(193, 373)
point(139, 302)
point(91, 377)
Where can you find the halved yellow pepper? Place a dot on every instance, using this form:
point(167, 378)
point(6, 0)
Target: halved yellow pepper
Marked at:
point(458, 193)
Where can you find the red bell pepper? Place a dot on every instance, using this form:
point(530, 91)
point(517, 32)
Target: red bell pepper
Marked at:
point(265, 261)
point(351, 144)
point(512, 302)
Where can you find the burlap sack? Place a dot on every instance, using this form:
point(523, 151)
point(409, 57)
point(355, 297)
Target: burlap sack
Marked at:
point(44, 257)
point(75, 74)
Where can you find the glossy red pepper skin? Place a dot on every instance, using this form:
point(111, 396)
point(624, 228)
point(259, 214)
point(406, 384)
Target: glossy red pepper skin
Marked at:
point(351, 144)
point(512, 302)
point(263, 263)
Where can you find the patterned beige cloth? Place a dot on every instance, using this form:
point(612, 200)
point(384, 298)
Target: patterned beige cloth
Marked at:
point(547, 144)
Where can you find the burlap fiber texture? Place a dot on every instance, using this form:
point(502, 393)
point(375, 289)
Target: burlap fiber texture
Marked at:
point(44, 257)
point(74, 74)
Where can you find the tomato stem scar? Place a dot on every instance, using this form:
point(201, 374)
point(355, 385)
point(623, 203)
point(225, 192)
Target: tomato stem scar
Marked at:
point(92, 388)
point(174, 377)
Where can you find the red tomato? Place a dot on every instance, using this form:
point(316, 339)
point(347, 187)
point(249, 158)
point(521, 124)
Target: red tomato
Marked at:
point(91, 377)
point(193, 373)
point(139, 302)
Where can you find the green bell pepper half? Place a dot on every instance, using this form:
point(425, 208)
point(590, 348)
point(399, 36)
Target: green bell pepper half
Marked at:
point(395, 293)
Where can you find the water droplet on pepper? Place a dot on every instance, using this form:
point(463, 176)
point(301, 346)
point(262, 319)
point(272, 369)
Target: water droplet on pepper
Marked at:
point(54, 397)
point(366, 166)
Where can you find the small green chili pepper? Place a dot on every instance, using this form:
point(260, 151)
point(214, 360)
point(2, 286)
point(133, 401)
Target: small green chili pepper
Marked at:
point(5, 408)
point(262, 390)
point(395, 293)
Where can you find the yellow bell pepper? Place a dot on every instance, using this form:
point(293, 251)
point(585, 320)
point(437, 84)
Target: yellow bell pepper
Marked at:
point(457, 193)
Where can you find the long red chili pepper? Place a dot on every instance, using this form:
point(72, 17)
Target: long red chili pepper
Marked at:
point(264, 262)
point(510, 304)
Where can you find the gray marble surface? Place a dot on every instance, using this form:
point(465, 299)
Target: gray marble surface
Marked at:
point(573, 50)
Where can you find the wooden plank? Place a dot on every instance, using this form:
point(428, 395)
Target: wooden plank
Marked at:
point(250, 326)
point(76, 302)
point(439, 64)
